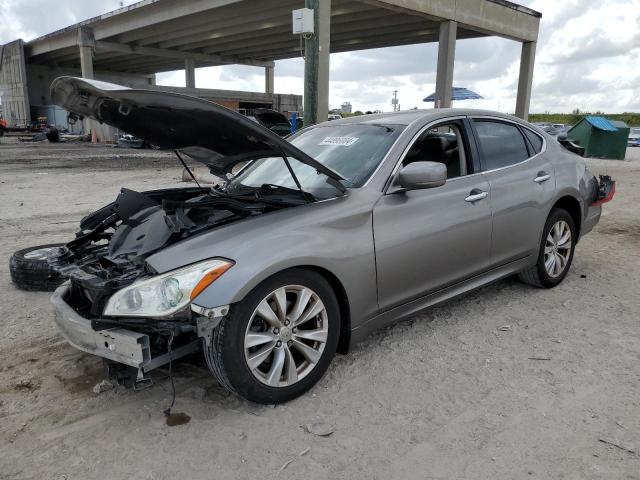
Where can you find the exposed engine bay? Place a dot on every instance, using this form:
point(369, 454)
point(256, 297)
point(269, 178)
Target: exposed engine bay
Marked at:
point(110, 249)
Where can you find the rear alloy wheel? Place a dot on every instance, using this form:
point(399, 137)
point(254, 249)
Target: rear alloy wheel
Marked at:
point(279, 341)
point(556, 251)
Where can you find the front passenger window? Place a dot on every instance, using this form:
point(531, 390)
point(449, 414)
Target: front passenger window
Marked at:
point(440, 144)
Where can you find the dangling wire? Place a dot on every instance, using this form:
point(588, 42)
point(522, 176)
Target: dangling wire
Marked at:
point(167, 412)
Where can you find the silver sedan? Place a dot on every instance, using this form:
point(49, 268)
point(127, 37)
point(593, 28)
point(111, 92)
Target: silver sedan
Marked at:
point(317, 241)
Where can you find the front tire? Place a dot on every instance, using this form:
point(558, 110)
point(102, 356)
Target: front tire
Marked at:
point(279, 340)
point(556, 251)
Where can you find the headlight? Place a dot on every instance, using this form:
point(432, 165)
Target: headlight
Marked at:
point(166, 294)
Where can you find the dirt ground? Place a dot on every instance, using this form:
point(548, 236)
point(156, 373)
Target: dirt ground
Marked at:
point(507, 382)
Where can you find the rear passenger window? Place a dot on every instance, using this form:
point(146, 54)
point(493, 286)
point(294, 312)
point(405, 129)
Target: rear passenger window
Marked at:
point(501, 144)
point(534, 139)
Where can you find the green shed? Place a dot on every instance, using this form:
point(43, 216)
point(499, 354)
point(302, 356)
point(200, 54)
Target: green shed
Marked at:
point(600, 137)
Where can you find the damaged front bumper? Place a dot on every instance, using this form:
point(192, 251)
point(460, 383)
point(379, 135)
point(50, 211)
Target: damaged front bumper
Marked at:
point(121, 345)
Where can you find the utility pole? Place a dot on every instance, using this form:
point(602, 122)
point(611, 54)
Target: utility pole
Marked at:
point(316, 63)
point(394, 101)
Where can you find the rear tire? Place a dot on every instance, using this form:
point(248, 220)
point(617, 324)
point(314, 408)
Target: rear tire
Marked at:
point(294, 362)
point(557, 246)
point(30, 270)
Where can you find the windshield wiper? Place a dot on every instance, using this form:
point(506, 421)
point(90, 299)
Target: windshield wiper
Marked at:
point(271, 188)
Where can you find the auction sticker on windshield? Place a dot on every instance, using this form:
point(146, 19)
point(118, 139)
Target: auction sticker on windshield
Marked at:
point(339, 141)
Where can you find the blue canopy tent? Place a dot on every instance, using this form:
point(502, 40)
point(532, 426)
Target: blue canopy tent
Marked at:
point(458, 93)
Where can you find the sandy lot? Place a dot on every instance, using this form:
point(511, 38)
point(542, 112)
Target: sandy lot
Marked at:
point(451, 393)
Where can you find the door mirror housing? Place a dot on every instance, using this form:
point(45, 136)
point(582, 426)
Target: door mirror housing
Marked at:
point(421, 175)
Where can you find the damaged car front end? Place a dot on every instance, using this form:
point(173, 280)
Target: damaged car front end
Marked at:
point(114, 303)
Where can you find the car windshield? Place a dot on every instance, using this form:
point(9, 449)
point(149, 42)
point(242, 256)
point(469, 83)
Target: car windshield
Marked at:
point(353, 151)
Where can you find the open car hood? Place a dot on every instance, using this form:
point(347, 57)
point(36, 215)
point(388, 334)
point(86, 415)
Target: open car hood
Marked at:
point(214, 135)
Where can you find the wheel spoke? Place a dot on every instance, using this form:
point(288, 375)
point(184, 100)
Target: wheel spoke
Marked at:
point(280, 297)
point(275, 372)
point(549, 263)
point(256, 359)
point(290, 368)
point(557, 232)
point(265, 311)
point(566, 238)
point(307, 352)
point(301, 304)
point(310, 313)
point(557, 266)
point(548, 250)
point(254, 339)
point(318, 335)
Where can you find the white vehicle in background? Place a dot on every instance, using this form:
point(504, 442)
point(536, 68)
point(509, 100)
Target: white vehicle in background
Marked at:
point(334, 116)
point(634, 137)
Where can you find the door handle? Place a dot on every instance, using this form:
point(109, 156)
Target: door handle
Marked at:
point(542, 177)
point(475, 195)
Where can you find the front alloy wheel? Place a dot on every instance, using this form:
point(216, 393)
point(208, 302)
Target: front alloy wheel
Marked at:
point(287, 332)
point(286, 336)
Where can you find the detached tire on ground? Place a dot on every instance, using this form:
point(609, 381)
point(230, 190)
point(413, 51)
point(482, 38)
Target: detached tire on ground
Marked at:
point(279, 340)
point(31, 271)
point(556, 251)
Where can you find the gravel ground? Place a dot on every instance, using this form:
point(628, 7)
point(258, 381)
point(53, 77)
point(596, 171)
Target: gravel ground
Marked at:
point(506, 382)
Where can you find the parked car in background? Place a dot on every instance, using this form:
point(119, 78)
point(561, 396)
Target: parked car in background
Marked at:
point(273, 120)
point(334, 116)
point(560, 129)
point(130, 141)
point(634, 137)
point(347, 227)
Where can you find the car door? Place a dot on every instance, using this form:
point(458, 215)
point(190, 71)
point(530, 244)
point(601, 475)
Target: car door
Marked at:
point(522, 186)
point(428, 239)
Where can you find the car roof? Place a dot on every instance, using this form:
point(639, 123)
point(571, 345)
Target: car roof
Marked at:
point(410, 116)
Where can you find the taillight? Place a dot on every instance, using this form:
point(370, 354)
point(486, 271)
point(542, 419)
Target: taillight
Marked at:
point(606, 190)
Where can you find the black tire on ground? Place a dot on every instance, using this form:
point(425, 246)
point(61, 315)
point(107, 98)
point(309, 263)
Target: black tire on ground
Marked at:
point(53, 135)
point(30, 270)
point(537, 275)
point(1, 131)
point(226, 358)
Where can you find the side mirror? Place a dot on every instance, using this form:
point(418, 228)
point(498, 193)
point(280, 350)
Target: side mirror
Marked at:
point(420, 175)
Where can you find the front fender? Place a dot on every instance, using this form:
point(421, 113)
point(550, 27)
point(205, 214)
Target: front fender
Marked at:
point(335, 236)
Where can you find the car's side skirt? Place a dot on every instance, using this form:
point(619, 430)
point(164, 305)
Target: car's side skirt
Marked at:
point(402, 311)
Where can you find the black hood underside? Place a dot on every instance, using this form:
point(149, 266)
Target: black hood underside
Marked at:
point(209, 133)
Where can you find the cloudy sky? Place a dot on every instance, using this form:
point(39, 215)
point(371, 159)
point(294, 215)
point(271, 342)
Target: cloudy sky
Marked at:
point(588, 58)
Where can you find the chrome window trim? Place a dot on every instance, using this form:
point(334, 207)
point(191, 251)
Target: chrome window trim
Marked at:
point(413, 140)
point(505, 120)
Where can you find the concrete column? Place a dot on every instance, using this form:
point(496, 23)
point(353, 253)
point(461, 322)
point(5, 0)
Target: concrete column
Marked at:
point(324, 40)
point(316, 65)
point(446, 60)
point(268, 79)
point(86, 44)
point(525, 82)
point(190, 73)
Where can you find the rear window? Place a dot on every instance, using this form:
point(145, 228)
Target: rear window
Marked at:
point(501, 144)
